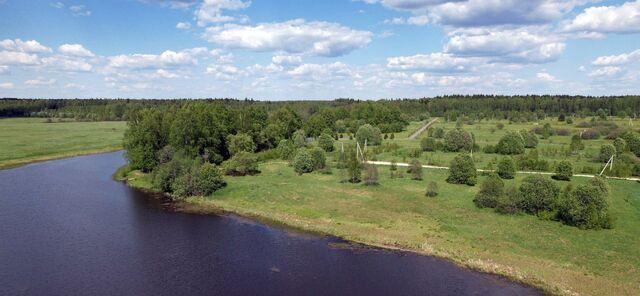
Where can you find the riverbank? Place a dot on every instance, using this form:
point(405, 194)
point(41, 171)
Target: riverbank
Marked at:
point(29, 140)
point(553, 257)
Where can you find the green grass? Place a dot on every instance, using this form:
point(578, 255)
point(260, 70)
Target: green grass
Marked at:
point(558, 258)
point(26, 140)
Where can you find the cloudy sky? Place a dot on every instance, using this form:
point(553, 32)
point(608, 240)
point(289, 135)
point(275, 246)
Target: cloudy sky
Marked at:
point(308, 49)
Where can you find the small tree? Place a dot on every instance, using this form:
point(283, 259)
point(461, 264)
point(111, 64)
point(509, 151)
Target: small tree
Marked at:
point(547, 131)
point(299, 139)
point(286, 149)
point(564, 171)
point(538, 194)
point(415, 169)
point(302, 161)
point(371, 134)
point(428, 144)
point(432, 189)
point(491, 190)
point(506, 168)
point(620, 144)
point(511, 143)
point(241, 142)
point(530, 139)
point(462, 170)
point(371, 175)
point(606, 151)
point(354, 166)
point(241, 164)
point(319, 158)
point(586, 206)
point(576, 144)
point(458, 140)
point(633, 142)
point(325, 141)
point(438, 133)
point(209, 179)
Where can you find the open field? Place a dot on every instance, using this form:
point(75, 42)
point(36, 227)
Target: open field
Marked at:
point(26, 140)
point(396, 214)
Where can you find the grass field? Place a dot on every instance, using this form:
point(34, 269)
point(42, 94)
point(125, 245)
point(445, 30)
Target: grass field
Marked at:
point(26, 140)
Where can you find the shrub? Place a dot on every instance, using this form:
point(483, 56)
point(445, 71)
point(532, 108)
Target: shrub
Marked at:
point(369, 133)
point(428, 144)
point(209, 179)
point(241, 164)
point(165, 154)
point(491, 189)
point(319, 159)
point(462, 170)
point(325, 141)
point(606, 151)
point(620, 144)
point(506, 168)
point(438, 133)
point(299, 139)
point(531, 161)
point(415, 169)
point(302, 162)
point(241, 142)
point(576, 144)
point(633, 142)
point(538, 194)
point(489, 149)
point(529, 138)
point(500, 125)
point(586, 206)
point(569, 120)
point(564, 171)
point(547, 131)
point(458, 140)
point(590, 134)
point(511, 143)
point(509, 202)
point(163, 177)
point(371, 175)
point(286, 149)
point(432, 189)
point(354, 166)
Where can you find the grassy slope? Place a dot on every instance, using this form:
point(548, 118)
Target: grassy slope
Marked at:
point(26, 140)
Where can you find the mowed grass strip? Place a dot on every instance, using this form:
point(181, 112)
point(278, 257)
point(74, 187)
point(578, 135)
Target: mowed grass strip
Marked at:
point(397, 214)
point(26, 140)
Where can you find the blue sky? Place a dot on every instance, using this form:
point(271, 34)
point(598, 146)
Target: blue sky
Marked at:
point(285, 49)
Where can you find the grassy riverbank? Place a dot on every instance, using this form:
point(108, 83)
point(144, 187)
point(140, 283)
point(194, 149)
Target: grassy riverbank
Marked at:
point(27, 140)
point(557, 258)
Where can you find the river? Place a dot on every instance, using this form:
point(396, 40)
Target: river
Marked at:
point(67, 228)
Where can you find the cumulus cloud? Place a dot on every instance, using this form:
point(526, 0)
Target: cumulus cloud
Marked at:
point(545, 76)
point(607, 19)
point(75, 50)
point(167, 59)
point(608, 72)
point(67, 64)
point(30, 46)
point(40, 82)
point(616, 60)
point(321, 72)
point(434, 62)
point(419, 20)
point(224, 72)
point(18, 58)
point(210, 11)
point(6, 85)
point(292, 37)
point(287, 60)
point(183, 25)
point(177, 4)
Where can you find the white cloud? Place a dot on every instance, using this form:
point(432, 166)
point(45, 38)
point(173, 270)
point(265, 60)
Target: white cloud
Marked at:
point(58, 5)
point(321, 72)
point(183, 25)
point(419, 20)
point(434, 62)
point(79, 10)
point(4, 70)
point(66, 64)
point(224, 72)
point(614, 60)
point(18, 58)
point(607, 19)
point(6, 85)
point(608, 71)
point(210, 11)
point(545, 76)
point(30, 46)
point(287, 60)
point(176, 4)
point(74, 86)
point(39, 82)
point(75, 50)
point(167, 59)
point(293, 37)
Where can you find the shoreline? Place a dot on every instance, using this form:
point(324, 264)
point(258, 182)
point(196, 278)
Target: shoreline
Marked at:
point(15, 163)
point(193, 206)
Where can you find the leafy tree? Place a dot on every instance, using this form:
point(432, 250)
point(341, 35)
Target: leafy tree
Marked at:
point(325, 141)
point(371, 175)
point(241, 164)
point(538, 194)
point(199, 130)
point(241, 142)
point(319, 122)
point(506, 168)
point(462, 170)
point(633, 142)
point(432, 189)
point(620, 144)
point(209, 179)
point(415, 169)
point(576, 144)
point(547, 131)
point(145, 136)
point(564, 171)
point(530, 139)
point(601, 114)
point(302, 161)
point(458, 140)
point(428, 144)
point(285, 122)
point(354, 166)
point(491, 190)
point(606, 151)
point(286, 149)
point(164, 176)
point(319, 158)
point(510, 143)
point(299, 139)
point(369, 133)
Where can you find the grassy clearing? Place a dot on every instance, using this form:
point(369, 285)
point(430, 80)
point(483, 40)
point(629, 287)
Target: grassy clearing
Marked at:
point(26, 140)
point(557, 258)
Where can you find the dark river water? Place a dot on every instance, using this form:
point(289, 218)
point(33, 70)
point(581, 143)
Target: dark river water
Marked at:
point(66, 228)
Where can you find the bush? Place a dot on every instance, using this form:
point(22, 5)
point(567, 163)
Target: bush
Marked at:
point(432, 189)
point(299, 139)
point(511, 143)
point(531, 161)
point(369, 133)
point(620, 144)
point(428, 144)
point(489, 149)
point(576, 144)
point(209, 179)
point(491, 189)
point(354, 166)
point(415, 169)
point(590, 134)
point(462, 170)
point(586, 206)
point(302, 162)
point(509, 202)
point(633, 142)
point(241, 164)
point(371, 175)
point(500, 125)
point(529, 138)
point(547, 131)
point(164, 176)
point(606, 151)
point(438, 133)
point(506, 168)
point(564, 171)
point(325, 141)
point(458, 140)
point(319, 159)
point(165, 154)
point(241, 142)
point(286, 149)
point(538, 194)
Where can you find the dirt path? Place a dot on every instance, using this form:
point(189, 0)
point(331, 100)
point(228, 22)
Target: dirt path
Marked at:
point(481, 170)
point(422, 129)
